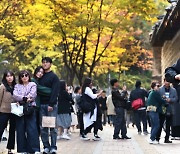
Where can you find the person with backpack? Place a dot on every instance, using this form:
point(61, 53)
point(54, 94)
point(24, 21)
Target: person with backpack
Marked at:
point(137, 98)
point(88, 106)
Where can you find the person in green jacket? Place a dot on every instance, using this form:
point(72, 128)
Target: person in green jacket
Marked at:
point(38, 73)
point(41, 90)
point(154, 107)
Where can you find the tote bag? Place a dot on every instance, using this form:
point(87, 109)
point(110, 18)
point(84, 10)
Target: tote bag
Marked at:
point(17, 109)
point(48, 121)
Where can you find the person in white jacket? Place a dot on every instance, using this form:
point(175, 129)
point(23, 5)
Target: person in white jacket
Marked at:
point(90, 118)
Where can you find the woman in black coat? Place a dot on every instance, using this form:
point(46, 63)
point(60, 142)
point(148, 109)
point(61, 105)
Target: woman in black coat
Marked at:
point(65, 102)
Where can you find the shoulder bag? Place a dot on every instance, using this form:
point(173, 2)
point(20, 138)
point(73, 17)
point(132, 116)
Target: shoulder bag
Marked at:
point(136, 104)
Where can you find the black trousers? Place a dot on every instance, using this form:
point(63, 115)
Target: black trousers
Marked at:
point(80, 122)
point(175, 131)
point(119, 123)
point(168, 124)
point(38, 121)
point(88, 129)
point(140, 115)
point(4, 118)
point(104, 115)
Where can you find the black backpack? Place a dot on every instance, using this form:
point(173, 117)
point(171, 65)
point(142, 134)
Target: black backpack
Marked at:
point(87, 104)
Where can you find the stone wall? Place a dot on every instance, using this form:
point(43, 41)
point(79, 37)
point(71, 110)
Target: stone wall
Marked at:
point(169, 54)
point(157, 63)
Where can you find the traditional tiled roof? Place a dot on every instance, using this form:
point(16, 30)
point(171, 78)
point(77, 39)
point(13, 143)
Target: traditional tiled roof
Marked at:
point(167, 25)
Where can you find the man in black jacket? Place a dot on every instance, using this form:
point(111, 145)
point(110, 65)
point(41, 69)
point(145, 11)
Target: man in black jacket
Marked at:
point(49, 105)
point(172, 74)
point(119, 103)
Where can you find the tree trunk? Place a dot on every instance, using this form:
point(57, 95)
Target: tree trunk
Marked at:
point(71, 78)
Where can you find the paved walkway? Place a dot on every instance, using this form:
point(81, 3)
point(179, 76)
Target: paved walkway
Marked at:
point(137, 145)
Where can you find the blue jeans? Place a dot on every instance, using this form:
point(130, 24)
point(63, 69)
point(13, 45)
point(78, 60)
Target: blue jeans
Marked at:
point(45, 131)
point(154, 119)
point(27, 134)
point(140, 115)
point(111, 119)
point(119, 122)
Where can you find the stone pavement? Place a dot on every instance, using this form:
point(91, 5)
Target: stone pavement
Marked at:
point(137, 145)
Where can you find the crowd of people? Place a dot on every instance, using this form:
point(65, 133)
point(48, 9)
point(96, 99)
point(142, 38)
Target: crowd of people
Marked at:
point(44, 95)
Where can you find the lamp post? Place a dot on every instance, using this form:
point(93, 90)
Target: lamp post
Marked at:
point(109, 79)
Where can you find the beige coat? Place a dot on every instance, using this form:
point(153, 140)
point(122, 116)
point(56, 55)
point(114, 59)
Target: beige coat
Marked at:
point(110, 106)
point(5, 100)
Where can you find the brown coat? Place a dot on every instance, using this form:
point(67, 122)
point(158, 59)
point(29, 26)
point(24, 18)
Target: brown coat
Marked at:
point(110, 106)
point(5, 100)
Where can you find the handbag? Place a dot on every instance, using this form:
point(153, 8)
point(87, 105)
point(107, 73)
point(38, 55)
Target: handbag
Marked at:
point(151, 108)
point(28, 109)
point(48, 121)
point(136, 104)
point(17, 109)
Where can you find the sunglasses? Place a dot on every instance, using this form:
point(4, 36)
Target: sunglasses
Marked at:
point(24, 75)
point(158, 85)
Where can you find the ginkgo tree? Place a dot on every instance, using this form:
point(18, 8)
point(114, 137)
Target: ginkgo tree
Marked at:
point(82, 36)
point(27, 33)
point(89, 29)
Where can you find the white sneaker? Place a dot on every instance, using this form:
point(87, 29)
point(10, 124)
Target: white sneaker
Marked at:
point(59, 137)
point(153, 142)
point(37, 152)
point(65, 136)
point(96, 138)
point(53, 151)
point(46, 151)
point(145, 132)
point(85, 138)
point(139, 133)
point(69, 133)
